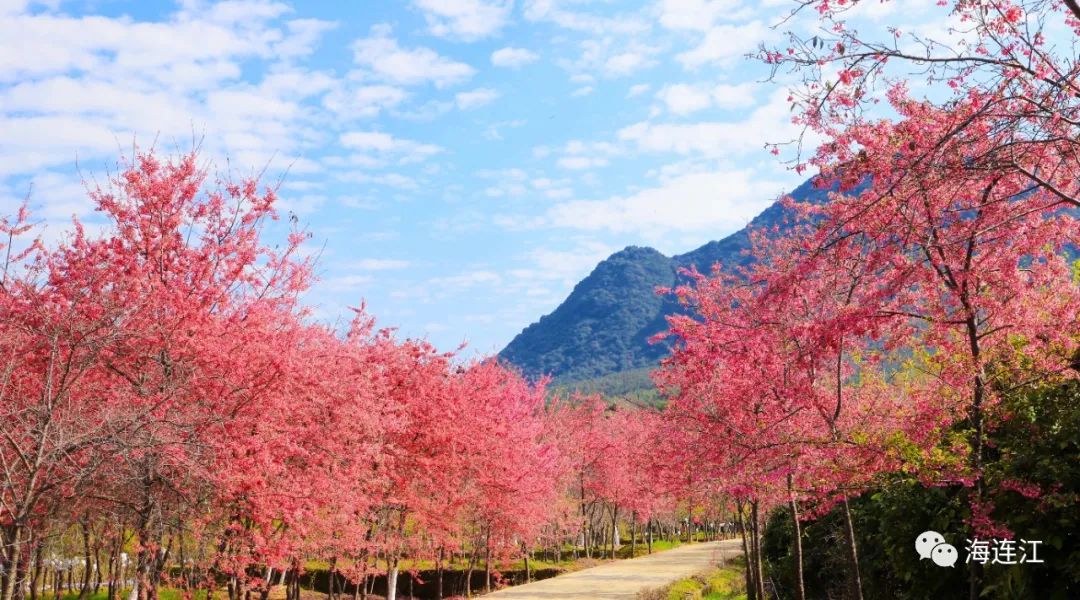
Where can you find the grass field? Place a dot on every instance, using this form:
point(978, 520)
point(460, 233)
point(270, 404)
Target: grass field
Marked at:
point(723, 583)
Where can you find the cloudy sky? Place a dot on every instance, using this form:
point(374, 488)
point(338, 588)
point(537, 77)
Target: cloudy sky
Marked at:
point(461, 163)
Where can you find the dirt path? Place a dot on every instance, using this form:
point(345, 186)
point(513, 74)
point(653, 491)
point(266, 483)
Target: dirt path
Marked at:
point(625, 578)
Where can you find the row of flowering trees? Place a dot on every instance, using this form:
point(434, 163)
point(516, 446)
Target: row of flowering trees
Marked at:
point(879, 339)
point(168, 409)
point(879, 331)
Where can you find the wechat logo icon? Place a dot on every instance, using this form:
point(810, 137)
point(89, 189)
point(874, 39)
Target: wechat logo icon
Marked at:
point(930, 544)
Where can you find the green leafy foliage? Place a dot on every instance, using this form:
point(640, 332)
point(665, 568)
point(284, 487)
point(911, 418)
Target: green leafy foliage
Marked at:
point(723, 583)
point(635, 386)
point(1036, 448)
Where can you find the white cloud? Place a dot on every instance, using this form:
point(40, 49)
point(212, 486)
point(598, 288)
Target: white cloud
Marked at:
point(553, 188)
point(364, 101)
point(582, 91)
point(698, 15)
point(724, 44)
point(231, 11)
point(427, 111)
point(580, 147)
point(567, 265)
point(507, 182)
point(385, 146)
point(465, 279)
point(683, 99)
point(493, 131)
point(579, 155)
point(475, 98)
point(301, 204)
point(770, 122)
point(712, 138)
point(305, 35)
point(637, 90)
point(554, 11)
point(88, 86)
point(611, 57)
point(12, 6)
point(380, 264)
point(513, 57)
point(715, 202)
point(394, 180)
point(739, 95)
point(467, 20)
point(345, 283)
point(51, 196)
point(626, 63)
point(32, 143)
point(581, 162)
point(382, 56)
point(239, 103)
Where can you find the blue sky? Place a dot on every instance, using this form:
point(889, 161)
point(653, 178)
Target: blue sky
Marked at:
point(461, 163)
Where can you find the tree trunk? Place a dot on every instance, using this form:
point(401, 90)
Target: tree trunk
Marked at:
point(978, 394)
point(160, 559)
point(333, 579)
point(14, 559)
point(114, 565)
point(487, 561)
point(614, 530)
point(853, 552)
point(439, 575)
point(800, 585)
point(751, 583)
point(97, 565)
point(528, 569)
point(39, 567)
point(587, 537)
point(468, 574)
point(142, 569)
point(759, 570)
point(84, 524)
point(391, 580)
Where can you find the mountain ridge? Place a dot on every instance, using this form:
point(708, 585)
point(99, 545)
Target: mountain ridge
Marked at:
point(605, 323)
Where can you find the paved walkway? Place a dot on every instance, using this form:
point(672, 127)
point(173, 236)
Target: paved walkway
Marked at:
point(623, 579)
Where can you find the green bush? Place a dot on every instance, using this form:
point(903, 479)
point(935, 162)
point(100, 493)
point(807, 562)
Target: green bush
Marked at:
point(1036, 441)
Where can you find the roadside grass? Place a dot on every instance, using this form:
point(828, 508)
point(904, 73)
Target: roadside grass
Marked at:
point(566, 564)
point(722, 583)
point(542, 560)
point(164, 593)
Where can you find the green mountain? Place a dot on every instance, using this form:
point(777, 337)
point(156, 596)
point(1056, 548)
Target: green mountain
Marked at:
point(604, 325)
